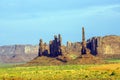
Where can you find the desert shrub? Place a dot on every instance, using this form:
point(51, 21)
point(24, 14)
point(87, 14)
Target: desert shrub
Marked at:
point(112, 74)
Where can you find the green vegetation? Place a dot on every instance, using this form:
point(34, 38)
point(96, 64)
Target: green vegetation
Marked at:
point(113, 60)
point(7, 65)
point(3, 65)
point(65, 72)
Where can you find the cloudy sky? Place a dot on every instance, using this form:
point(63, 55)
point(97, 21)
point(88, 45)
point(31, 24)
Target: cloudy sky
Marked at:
point(26, 21)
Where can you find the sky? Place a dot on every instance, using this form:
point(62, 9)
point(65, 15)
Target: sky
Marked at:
point(26, 21)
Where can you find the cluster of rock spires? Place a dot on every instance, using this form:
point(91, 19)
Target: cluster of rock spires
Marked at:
point(96, 46)
point(56, 54)
point(56, 49)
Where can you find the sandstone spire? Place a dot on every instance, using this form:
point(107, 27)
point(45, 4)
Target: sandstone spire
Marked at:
point(83, 51)
point(41, 48)
point(83, 34)
point(55, 46)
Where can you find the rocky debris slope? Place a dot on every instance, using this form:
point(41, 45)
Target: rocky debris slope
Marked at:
point(48, 61)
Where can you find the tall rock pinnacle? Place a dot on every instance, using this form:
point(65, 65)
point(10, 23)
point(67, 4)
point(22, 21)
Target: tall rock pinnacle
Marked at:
point(83, 51)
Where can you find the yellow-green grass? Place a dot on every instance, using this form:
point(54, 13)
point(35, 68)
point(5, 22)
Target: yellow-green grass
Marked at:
point(65, 72)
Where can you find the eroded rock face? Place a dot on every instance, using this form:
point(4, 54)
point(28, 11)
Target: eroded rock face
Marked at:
point(73, 47)
point(17, 53)
point(111, 44)
point(29, 49)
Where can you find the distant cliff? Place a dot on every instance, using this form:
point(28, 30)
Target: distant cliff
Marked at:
point(17, 53)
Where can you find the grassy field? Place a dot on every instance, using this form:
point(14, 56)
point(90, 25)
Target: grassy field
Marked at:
point(66, 72)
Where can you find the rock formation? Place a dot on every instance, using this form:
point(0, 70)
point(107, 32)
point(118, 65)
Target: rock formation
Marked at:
point(93, 44)
point(106, 47)
point(73, 47)
point(83, 50)
point(55, 46)
point(41, 48)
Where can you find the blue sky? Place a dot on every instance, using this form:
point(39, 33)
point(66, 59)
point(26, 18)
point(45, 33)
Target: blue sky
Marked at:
point(26, 21)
